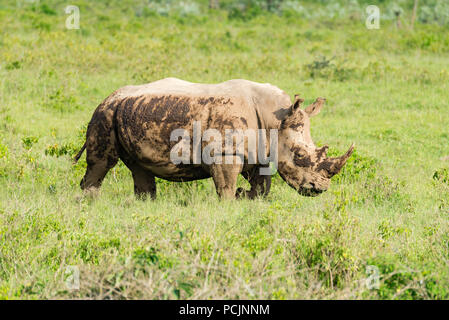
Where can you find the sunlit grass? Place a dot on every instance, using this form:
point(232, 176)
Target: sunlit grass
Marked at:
point(387, 91)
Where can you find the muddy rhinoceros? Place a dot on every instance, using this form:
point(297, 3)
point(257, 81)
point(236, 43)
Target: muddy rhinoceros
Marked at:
point(144, 126)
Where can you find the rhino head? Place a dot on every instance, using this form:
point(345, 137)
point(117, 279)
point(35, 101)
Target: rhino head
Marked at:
point(301, 164)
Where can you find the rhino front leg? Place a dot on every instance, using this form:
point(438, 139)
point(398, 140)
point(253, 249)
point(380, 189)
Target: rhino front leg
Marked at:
point(144, 183)
point(94, 176)
point(101, 147)
point(260, 184)
point(225, 179)
point(101, 156)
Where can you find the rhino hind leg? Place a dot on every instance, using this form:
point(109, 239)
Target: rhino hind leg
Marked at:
point(225, 179)
point(260, 184)
point(144, 180)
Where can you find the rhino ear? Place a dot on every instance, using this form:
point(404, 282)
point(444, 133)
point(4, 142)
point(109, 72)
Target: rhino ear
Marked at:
point(288, 112)
point(315, 108)
point(298, 102)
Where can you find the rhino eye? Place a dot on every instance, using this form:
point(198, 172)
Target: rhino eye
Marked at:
point(302, 160)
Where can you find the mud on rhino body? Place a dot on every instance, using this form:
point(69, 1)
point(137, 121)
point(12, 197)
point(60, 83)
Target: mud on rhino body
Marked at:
point(135, 123)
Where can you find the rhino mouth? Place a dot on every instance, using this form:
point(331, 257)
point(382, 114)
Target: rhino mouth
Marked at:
point(310, 192)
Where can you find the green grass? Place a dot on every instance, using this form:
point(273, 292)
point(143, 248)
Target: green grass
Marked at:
point(387, 90)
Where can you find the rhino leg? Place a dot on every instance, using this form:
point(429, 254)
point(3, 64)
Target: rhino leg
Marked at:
point(144, 180)
point(144, 183)
point(94, 176)
point(260, 184)
point(101, 153)
point(225, 179)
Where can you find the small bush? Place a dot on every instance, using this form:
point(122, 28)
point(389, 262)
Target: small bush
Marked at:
point(44, 8)
point(150, 256)
point(14, 65)
point(324, 246)
point(56, 150)
point(386, 230)
point(28, 142)
point(3, 160)
point(68, 148)
point(245, 10)
point(436, 13)
point(3, 151)
point(327, 69)
point(145, 256)
point(61, 102)
point(397, 282)
point(441, 175)
point(357, 167)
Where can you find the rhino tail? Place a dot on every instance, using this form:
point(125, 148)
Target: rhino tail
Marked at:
point(78, 155)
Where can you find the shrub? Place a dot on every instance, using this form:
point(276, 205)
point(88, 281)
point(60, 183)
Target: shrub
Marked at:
point(326, 68)
point(3, 151)
point(441, 175)
point(150, 256)
point(324, 246)
point(356, 167)
point(69, 148)
point(245, 10)
point(436, 12)
point(398, 282)
point(14, 65)
point(3, 160)
point(44, 8)
point(61, 150)
point(28, 142)
point(61, 102)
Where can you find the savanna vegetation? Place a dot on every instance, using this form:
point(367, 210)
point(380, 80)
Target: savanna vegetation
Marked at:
point(387, 90)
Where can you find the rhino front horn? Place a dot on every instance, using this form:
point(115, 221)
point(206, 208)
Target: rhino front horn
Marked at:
point(338, 163)
point(348, 153)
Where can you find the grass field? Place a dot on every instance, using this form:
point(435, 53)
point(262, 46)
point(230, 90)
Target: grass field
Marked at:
point(387, 90)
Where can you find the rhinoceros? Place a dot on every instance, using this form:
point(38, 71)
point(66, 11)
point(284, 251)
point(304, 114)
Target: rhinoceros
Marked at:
point(136, 124)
